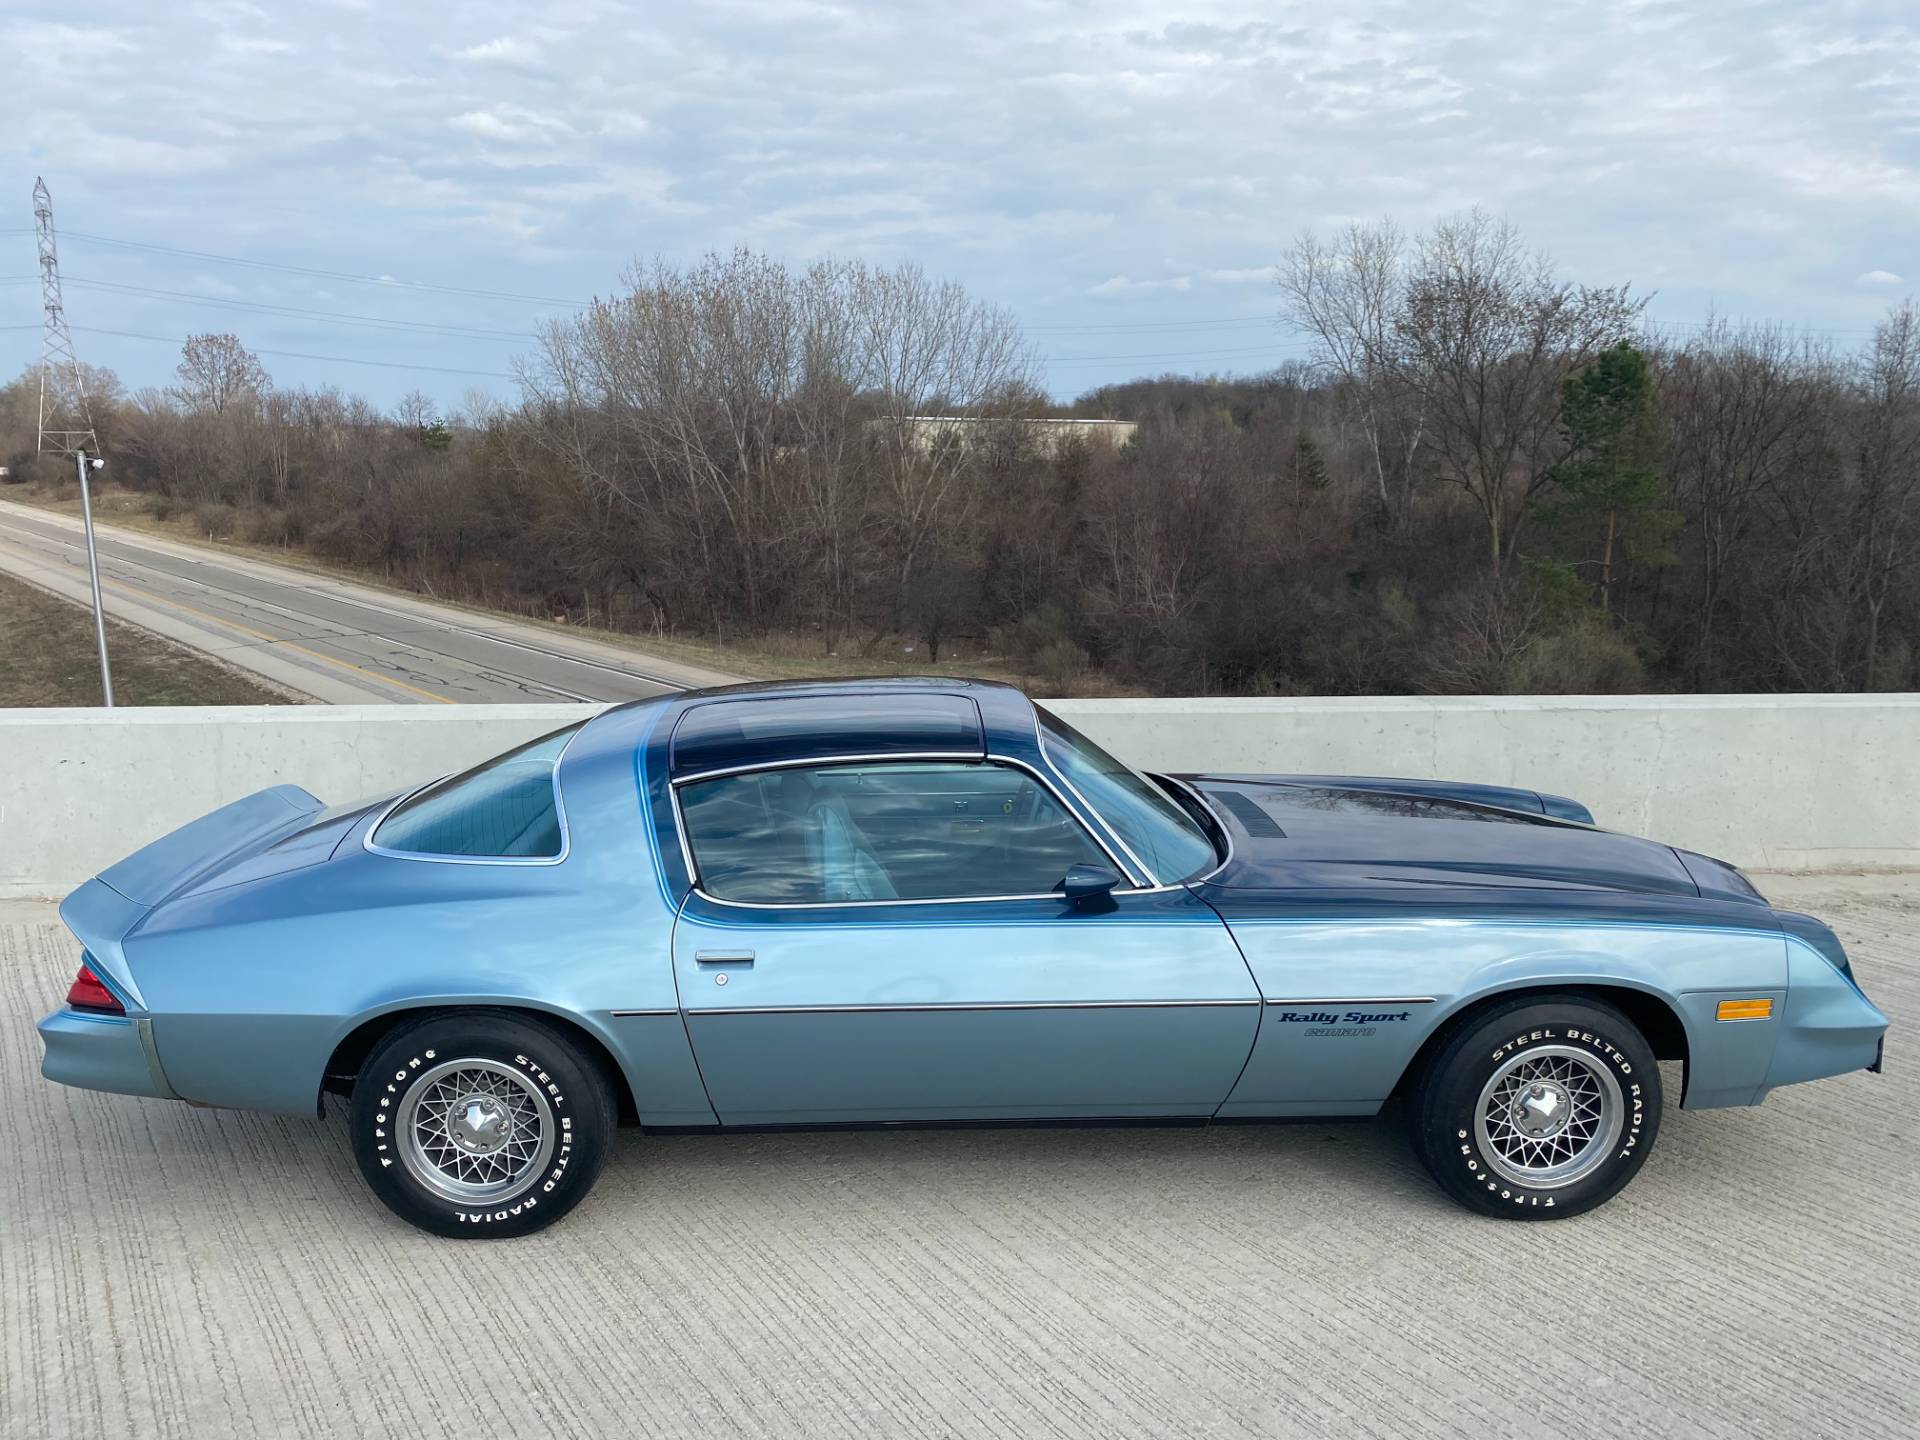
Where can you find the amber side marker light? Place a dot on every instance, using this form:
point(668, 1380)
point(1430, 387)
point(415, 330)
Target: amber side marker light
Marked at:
point(1745, 1010)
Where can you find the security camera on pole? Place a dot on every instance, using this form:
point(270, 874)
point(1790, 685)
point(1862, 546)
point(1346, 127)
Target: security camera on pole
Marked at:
point(66, 422)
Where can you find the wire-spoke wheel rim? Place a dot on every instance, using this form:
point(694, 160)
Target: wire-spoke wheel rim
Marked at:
point(475, 1130)
point(1549, 1116)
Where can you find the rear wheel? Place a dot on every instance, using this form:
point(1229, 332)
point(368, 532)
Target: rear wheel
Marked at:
point(1538, 1109)
point(480, 1124)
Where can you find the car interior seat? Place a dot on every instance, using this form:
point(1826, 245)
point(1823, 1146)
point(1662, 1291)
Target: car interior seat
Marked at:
point(845, 861)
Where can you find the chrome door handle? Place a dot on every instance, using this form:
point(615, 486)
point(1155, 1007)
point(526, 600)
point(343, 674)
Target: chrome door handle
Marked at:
point(723, 957)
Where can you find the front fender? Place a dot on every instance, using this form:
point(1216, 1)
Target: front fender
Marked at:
point(1414, 976)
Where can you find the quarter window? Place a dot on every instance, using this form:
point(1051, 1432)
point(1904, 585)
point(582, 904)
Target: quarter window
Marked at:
point(874, 832)
point(505, 809)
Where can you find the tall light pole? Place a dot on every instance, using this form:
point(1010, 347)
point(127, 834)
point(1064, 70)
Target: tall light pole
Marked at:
point(66, 422)
point(82, 463)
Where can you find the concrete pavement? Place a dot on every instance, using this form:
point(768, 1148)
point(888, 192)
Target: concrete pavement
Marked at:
point(330, 639)
point(166, 1271)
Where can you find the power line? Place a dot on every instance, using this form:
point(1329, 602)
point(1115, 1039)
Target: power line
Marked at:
point(304, 355)
point(427, 326)
point(330, 316)
point(1732, 323)
point(1164, 324)
point(388, 282)
point(504, 375)
point(1065, 360)
point(385, 281)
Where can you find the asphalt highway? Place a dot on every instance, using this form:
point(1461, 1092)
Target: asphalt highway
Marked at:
point(327, 639)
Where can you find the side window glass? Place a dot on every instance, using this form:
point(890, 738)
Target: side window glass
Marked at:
point(902, 831)
point(505, 809)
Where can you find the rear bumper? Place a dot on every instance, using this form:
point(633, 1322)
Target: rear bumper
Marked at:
point(102, 1052)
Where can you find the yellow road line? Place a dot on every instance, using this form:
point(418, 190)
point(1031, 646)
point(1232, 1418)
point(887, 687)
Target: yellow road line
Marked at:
point(294, 645)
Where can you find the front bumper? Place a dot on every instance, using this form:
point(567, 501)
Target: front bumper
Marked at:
point(103, 1052)
point(1829, 1026)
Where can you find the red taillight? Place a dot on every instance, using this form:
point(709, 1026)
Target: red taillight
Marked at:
point(89, 994)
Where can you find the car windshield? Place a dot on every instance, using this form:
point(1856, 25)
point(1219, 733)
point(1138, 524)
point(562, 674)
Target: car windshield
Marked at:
point(1162, 835)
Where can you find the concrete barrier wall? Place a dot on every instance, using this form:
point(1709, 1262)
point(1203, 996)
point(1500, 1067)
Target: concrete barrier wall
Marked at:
point(1770, 782)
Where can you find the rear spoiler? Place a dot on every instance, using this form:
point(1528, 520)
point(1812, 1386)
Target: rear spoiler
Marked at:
point(105, 910)
point(176, 860)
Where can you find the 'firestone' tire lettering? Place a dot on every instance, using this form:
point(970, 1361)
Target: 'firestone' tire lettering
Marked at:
point(1544, 1034)
point(562, 1077)
point(1449, 1088)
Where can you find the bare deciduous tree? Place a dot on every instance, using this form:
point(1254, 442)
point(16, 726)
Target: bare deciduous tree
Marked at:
point(811, 456)
point(217, 371)
point(1347, 295)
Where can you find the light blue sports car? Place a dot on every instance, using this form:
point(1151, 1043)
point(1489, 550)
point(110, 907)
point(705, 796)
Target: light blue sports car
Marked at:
point(897, 901)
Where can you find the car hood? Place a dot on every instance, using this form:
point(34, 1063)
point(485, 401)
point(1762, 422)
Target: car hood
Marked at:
point(1319, 833)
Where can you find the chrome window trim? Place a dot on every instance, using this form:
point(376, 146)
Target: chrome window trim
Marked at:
point(1040, 742)
point(964, 1005)
point(1226, 830)
point(427, 857)
point(693, 874)
point(971, 757)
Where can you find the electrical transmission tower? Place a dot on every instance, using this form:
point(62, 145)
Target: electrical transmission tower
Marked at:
point(66, 424)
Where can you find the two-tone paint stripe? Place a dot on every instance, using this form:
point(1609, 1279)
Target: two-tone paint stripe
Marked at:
point(971, 1006)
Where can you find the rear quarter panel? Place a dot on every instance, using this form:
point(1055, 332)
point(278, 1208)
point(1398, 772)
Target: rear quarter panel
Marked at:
point(251, 987)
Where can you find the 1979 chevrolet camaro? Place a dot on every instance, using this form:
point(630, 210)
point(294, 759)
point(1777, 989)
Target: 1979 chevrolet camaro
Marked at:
point(886, 902)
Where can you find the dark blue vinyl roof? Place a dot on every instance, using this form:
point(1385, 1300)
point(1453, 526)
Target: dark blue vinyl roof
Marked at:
point(787, 724)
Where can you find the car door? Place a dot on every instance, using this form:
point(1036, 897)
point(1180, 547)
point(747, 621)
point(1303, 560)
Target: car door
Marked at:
point(883, 941)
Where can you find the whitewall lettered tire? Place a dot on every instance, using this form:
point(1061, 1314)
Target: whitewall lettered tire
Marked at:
point(480, 1123)
point(1538, 1109)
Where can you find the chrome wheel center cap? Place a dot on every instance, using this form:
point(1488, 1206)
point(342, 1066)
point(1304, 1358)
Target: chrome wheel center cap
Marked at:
point(1540, 1110)
point(478, 1125)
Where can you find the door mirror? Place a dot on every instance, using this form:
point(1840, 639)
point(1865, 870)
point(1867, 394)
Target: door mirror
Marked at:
point(1089, 886)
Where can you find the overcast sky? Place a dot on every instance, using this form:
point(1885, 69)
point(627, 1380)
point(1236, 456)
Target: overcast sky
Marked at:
point(1120, 175)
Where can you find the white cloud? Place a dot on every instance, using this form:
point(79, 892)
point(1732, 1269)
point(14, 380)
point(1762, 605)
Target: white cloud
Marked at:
point(502, 50)
point(253, 45)
point(1115, 286)
point(509, 123)
point(41, 42)
point(622, 124)
point(1252, 275)
point(1117, 164)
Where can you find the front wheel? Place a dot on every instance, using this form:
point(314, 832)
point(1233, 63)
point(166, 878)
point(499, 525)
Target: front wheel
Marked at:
point(1538, 1109)
point(480, 1124)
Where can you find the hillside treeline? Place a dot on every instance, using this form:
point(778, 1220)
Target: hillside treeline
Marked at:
point(1485, 480)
